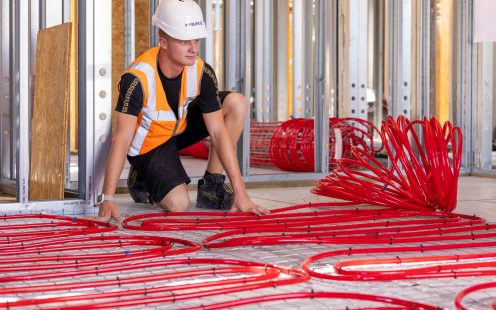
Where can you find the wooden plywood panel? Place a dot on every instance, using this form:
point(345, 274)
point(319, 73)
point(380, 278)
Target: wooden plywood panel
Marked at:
point(50, 113)
point(141, 30)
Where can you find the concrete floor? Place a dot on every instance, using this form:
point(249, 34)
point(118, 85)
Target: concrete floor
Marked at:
point(476, 196)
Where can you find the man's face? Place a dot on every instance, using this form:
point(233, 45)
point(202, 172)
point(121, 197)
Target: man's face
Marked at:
point(181, 51)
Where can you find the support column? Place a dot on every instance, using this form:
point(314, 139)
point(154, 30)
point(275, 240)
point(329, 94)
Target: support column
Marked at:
point(129, 32)
point(377, 44)
point(6, 115)
point(282, 61)
point(95, 65)
point(153, 30)
point(264, 60)
point(357, 57)
point(309, 58)
point(206, 45)
point(485, 107)
point(23, 93)
point(465, 95)
point(237, 64)
point(423, 60)
point(401, 33)
point(298, 59)
point(323, 81)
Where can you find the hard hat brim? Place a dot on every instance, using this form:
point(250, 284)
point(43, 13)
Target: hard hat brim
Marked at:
point(180, 35)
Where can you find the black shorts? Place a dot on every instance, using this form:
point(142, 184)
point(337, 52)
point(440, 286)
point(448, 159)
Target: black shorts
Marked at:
point(161, 168)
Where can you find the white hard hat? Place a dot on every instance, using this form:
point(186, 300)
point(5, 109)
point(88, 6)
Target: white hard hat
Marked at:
point(181, 19)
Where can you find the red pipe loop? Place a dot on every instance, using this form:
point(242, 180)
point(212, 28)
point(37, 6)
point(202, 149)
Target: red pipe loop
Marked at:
point(340, 296)
point(124, 247)
point(260, 276)
point(47, 225)
point(278, 218)
point(472, 289)
point(463, 266)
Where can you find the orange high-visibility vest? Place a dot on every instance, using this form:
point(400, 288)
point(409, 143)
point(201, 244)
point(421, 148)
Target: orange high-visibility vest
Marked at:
point(157, 123)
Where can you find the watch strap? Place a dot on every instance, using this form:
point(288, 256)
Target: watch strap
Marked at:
point(102, 197)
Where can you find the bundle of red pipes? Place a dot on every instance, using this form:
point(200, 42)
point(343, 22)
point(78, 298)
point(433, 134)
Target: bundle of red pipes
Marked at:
point(289, 145)
point(292, 144)
point(423, 171)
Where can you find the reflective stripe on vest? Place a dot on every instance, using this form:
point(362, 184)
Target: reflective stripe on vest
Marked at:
point(157, 123)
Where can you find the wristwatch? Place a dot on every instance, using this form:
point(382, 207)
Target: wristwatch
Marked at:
point(103, 197)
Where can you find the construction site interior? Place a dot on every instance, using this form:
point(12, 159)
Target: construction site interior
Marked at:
point(371, 139)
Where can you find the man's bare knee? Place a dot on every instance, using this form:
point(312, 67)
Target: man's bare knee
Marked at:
point(236, 105)
point(179, 204)
point(177, 200)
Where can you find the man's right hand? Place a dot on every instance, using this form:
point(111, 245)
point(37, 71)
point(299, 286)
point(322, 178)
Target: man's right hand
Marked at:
point(243, 203)
point(107, 210)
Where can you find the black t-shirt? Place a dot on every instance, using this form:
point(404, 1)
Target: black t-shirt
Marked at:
point(131, 92)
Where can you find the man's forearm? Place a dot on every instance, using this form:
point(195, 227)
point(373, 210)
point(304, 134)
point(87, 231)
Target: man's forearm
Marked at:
point(115, 164)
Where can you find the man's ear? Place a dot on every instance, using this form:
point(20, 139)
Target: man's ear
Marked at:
point(162, 42)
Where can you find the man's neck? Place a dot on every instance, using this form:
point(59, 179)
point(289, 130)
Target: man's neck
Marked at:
point(169, 68)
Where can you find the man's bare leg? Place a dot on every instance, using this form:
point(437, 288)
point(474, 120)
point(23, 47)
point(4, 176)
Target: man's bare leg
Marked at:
point(177, 200)
point(234, 109)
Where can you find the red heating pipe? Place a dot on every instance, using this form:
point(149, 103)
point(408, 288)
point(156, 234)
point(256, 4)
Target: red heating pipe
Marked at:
point(77, 261)
point(266, 275)
point(427, 180)
point(154, 289)
point(401, 235)
point(161, 246)
point(388, 226)
point(290, 145)
point(59, 226)
point(458, 262)
point(470, 290)
point(388, 234)
point(277, 218)
point(438, 271)
point(405, 304)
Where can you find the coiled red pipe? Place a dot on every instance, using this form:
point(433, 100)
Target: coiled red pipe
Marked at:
point(289, 145)
point(422, 176)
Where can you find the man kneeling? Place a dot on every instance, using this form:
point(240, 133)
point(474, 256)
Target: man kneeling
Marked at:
point(168, 100)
